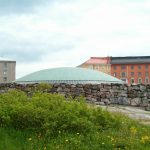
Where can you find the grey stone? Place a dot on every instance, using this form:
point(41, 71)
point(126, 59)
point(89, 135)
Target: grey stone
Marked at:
point(144, 102)
point(94, 87)
point(100, 103)
point(59, 89)
point(142, 87)
point(106, 101)
point(123, 101)
point(93, 99)
point(135, 102)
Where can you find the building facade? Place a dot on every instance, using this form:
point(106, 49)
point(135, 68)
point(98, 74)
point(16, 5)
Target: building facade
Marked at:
point(132, 70)
point(7, 71)
point(98, 63)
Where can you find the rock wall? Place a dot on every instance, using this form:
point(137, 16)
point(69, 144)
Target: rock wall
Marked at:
point(101, 94)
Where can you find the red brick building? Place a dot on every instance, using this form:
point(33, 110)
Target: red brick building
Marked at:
point(131, 69)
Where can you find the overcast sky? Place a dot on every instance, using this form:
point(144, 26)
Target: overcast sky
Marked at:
point(41, 34)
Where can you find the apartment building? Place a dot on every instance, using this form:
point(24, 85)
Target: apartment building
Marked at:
point(7, 70)
point(98, 63)
point(132, 70)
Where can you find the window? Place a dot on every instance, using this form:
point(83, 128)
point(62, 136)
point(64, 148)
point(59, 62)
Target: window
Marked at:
point(4, 79)
point(115, 67)
point(132, 74)
point(146, 66)
point(146, 80)
point(5, 72)
point(123, 67)
point(132, 80)
point(90, 66)
point(139, 67)
point(123, 74)
point(139, 80)
point(97, 67)
point(115, 74)
point(146, 73)
point(5, 65)
point(132, 67)
point(139, 74)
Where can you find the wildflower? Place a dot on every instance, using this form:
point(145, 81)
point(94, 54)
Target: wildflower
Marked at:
point(133, 130)
point(39, 135)
point(145, 139)
point(59, 132)
point(103, 143)
point(66, 140)
point(78, 133)
point(45, 148)
point(112, 139)
point(29, 139)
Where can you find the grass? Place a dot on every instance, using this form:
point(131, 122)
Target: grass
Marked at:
point(49, 122)
point(105, 140)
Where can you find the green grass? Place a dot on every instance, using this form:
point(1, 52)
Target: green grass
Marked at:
point(49, 121)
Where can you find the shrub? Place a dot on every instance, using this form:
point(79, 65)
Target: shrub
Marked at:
point(43, 87)
point(51, 113)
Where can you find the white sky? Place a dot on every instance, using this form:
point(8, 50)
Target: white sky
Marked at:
point(44, 34)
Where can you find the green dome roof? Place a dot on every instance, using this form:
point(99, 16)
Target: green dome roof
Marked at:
point(68, 75)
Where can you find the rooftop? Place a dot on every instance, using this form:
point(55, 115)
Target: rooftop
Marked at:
point(130, 60)
point(98, 60)
point(2, 59)
point(68, 75)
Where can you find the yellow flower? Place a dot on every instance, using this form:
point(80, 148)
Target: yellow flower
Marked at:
point(29, 139)
point(145, 139)
point(44, 148)
point(112, 139)
point(39, 135)
point(66, 140)
point(133, 130)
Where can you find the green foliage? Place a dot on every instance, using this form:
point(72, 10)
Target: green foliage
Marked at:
point(52, 122)
point(43, 87)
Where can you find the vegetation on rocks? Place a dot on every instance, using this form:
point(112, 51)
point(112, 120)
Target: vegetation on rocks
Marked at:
point(49, 121)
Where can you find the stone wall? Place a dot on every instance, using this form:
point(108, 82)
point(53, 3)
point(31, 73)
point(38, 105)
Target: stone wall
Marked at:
point(101, 94)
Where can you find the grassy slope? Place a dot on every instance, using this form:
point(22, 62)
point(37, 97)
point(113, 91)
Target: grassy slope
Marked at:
point(48, 121)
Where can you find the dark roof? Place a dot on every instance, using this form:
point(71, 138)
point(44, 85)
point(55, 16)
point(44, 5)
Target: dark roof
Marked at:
point(130, 60)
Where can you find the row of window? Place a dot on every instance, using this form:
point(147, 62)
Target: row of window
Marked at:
point(98, 67)
point(124, 74)
point(132, 80)
point(5, 68)
point(132, 67)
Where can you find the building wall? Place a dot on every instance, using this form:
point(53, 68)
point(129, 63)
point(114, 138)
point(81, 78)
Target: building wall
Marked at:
point(106, 68)
point(98, 63)
point(7, 71)
point(132, 73)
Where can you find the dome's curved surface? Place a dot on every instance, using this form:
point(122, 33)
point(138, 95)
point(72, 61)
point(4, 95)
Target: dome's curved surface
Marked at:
point(68, 75)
